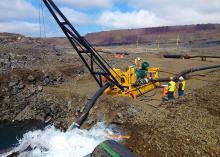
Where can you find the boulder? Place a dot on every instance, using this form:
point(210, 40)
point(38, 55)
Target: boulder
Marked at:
point(31, 78)
point(21, 85)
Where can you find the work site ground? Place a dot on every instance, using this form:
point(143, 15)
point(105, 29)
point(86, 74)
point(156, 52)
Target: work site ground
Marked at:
point(53, 87)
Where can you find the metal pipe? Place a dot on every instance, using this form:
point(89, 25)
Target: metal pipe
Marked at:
point(88, 107)
point(173, 56)
point(184, 72)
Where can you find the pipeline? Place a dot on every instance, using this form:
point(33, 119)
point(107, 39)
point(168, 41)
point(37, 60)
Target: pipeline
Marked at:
point(203, 56)
point(111, 148)
point(88, 107)
point(179, 56)
point(173, 56)
point(184, 72)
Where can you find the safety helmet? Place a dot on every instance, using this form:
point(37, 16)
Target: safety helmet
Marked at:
point(181, 78)
point(171, 78)
point(139, 58)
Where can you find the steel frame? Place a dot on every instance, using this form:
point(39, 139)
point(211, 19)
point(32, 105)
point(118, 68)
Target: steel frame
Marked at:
point(96, 65)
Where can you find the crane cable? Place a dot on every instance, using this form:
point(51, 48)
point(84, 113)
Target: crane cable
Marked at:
point(41, 20)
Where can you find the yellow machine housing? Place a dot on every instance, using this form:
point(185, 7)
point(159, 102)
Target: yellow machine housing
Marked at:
point(128, 79)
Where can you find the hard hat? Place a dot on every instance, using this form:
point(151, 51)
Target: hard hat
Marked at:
point(181, 78)
point(139, 58)
point(171, 78)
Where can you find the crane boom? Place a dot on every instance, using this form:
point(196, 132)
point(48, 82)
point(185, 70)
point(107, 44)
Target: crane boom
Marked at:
point(95, 63)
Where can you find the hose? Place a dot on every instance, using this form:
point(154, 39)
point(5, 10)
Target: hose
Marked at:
point(184, 72)
point(88, 107)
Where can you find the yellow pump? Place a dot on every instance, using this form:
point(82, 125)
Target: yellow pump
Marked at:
point(128, 80)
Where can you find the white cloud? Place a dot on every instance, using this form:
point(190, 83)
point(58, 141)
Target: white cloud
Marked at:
point(150, 13)
point(16, 9)
point(135, 19)
point(76, 17)
point(18, 15)
point(26, 28)
point(87, 3)
point(181, 12)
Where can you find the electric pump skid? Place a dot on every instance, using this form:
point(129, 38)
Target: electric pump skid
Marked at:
point(128, 80)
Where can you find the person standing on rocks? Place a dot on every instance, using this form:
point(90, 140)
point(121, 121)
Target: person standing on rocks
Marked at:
point(182, 85)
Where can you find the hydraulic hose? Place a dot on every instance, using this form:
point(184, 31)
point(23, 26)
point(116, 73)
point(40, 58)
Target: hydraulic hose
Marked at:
point(184, 72)
point(88, 107)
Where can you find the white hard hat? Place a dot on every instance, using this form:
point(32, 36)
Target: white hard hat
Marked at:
point(171, 78)
point(139, 58)
point(181, 78)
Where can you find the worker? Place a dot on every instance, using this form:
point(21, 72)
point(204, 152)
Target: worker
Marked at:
point(182, 85)
point(138, 62)
point(171, 89)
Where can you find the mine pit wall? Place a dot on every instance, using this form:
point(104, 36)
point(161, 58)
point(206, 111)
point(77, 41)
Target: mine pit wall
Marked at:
point(23, 95)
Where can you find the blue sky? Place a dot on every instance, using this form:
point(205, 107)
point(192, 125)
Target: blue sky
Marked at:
point(22, 16)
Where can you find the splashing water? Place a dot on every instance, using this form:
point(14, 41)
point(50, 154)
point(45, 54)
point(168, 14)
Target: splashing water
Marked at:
point(51, 142)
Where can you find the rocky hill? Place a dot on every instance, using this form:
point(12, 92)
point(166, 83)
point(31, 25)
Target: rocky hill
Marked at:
point(200, 35)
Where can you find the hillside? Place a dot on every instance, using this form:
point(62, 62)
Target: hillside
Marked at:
point(200, 35)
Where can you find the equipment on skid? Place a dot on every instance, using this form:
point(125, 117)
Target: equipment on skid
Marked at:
point(134, 86)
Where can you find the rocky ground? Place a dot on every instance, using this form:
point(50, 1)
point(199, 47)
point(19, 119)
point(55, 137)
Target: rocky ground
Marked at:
point(43, 82)
point(188, 126)
point(27, 67)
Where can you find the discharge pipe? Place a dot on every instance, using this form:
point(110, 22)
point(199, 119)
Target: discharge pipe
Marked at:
point(88, 107)
point(110, 148)
point(184, 72)
point(179, 56)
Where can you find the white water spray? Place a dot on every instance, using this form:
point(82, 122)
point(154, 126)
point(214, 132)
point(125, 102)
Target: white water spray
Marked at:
point(51, 142)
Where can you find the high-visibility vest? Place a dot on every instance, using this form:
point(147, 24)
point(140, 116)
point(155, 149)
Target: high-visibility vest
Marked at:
point(138, 63)
point(171, 86)
point(183, 85)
